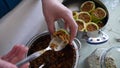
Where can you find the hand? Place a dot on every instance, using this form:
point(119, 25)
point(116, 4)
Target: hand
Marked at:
point(15, 55)
point(54, 10)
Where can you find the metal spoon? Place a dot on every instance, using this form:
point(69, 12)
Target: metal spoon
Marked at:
point(59, 45)
point(41, 65)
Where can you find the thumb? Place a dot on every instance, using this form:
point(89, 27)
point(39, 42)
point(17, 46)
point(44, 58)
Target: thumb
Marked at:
point(5, 64)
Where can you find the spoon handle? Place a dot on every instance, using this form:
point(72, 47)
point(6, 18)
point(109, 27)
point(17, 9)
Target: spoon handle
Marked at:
point(29, 58)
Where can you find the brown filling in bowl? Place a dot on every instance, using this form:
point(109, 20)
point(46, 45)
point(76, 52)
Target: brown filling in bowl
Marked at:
point(99, 13)
point(80, 24)
point(91, 27)
point(51, 59)
point(100, 24)
point(87, 6)
point(84, 16)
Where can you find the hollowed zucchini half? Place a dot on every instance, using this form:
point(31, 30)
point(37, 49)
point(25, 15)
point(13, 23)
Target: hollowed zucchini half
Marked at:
point(75, 14)
point(85, 16)
point(81, 24)
point(87, 6)
point(62, 34)
point(98, 14)
point(91, 26)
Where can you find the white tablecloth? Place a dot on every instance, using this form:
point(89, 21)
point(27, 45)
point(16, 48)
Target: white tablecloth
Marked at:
point(22, 23)
point(26, 20)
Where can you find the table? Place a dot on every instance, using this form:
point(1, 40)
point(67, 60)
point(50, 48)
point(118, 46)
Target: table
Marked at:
point(20, 25)
point(111, 29)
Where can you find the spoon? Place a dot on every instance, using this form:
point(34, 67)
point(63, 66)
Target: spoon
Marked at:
point(55, 44)
point(41, 65)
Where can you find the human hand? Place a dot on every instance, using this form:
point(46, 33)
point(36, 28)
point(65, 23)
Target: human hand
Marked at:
point(54, 10)
point(15, 55)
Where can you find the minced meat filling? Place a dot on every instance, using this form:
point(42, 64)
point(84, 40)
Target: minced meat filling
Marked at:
point(87, 6)
point(62, 35)
point(91, 27)
point(80, 25)
point(85, 17)
point(52, 59)
point(99, 13)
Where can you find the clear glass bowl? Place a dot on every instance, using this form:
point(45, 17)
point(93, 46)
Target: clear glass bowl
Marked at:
point(110, 58)
point(104, 58)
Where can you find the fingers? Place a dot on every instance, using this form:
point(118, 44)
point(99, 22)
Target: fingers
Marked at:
point(73, 30)
point(19, 54)
point(11, 54)
point(5, 64)
point(25, 65)
point(50, 23)
point(22, 51)
point(66, 26)
point(55, 10)
point(71, 24)
point(16, 54)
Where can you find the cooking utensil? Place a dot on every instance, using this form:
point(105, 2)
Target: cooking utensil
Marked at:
point(91, 37)
point(41, 65)
point(38, 39)
point(59, 45)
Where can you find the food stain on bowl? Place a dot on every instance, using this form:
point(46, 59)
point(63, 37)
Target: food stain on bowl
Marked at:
point(51, 59)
